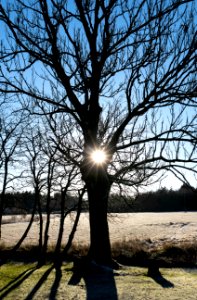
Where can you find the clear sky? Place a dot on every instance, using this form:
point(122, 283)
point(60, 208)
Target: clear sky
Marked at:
point(170, 181)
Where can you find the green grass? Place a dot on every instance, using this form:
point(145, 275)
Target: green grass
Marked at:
point(24, 281)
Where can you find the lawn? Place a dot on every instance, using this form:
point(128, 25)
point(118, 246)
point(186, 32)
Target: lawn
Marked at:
point(25, 281)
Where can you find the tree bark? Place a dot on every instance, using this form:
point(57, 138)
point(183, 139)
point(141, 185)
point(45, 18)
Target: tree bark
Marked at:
point(98, 188)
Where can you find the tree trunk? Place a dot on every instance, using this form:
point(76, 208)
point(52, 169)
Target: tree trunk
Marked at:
point(61, 225)
point(37, 195)
point(98, 187)
point(2, 196)
point(2, 200)
point(46, 232)
point(23, 237)
point(74, 228)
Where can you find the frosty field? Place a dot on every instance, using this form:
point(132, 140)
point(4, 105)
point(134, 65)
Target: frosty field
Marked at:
point(21, 281)
point(157, 227)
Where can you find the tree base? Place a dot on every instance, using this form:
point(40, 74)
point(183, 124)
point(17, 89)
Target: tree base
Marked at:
point(153, 270)
point(86, 265)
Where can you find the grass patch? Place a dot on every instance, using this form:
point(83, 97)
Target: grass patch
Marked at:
point(24, 281)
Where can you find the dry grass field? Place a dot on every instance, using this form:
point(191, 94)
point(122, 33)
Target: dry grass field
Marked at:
point(21, 281)
point(158, 228)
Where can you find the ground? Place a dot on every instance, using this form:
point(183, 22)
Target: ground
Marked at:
point(19, 282)
point(157, 227)
point(25, 281)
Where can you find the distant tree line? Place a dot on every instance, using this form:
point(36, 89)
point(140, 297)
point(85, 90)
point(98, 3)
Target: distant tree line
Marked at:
point(23, 203)
point(161, 200)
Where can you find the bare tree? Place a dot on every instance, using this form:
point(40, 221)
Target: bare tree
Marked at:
point(49, 154)
point(36, 172)
point(66, 184)
point(123, 73)
point(10, 137)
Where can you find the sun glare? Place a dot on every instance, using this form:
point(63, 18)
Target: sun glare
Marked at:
point(98, 156)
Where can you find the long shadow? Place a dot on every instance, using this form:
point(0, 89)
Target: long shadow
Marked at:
point(163, 282)
point(54, 288)
point(15, 282)
point(44, 277)
point(158, 278)
point(39, 283)
point(100, 283)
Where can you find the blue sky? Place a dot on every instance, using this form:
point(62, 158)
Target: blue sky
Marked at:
point(170, 181)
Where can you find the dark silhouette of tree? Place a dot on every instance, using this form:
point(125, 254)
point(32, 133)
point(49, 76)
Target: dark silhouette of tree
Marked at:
point(36, 171)
point(51, 162)
point(161, 200)
point(121, 74)
point(10, 137)
point(66, 182)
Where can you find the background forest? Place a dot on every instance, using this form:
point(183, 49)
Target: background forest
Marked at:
point(162, 200)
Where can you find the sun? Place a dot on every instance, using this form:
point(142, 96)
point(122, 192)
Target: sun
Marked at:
point(98, 156)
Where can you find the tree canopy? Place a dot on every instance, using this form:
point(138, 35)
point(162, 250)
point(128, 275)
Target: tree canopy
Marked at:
point(114, 75)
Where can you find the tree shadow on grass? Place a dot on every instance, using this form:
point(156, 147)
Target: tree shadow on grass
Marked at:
point(99, 282)
point(155, 274)
point(16, 282)
point(163, 282)
point(54, 287)
point(12, 285)
point(39, 284)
